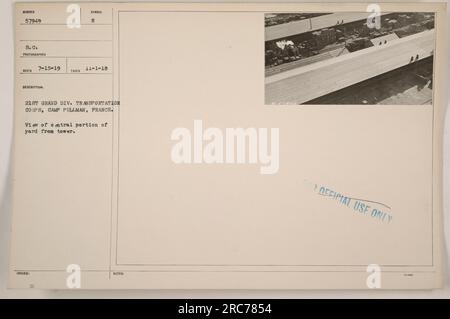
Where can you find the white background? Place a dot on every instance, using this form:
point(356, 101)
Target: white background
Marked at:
point(6, 128)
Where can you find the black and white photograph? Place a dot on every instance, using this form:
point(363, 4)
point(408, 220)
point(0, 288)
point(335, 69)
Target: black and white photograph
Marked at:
point(346, 58)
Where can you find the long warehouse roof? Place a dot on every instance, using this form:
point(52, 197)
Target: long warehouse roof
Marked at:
point(301, 26)
point(306, 83)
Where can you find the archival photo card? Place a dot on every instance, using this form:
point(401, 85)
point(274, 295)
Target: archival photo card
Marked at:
point(228, 146)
